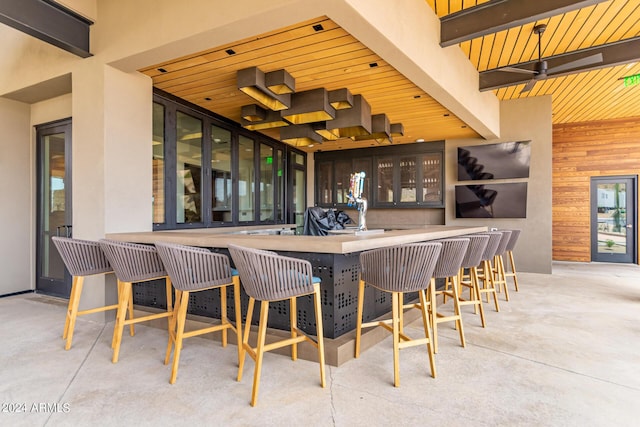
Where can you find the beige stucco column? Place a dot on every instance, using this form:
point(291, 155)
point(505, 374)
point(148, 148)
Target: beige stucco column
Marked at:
point(111, 160)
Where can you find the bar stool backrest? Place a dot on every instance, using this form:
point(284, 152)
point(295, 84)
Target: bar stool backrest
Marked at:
point(506, 235)
point(513, 240)
point(405, 268)
point(267, 276)
point(191, 268)
point(477, 245)
point(451, 256)
point(82, 257)
point(133, 262)
point(492, 246)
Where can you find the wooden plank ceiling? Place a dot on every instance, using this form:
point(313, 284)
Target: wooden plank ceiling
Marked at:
point(333, 59)
point(580, 97)
point(330, 58)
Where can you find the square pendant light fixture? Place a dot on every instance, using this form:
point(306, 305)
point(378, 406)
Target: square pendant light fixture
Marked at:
point(252, 82)
point(254, 117)
point(299, 135)
point(380, 129)
point(341, 99)
point(309, 106)
point(353, 121)
point(321, 129)
point(397, 129)
point(280, 82)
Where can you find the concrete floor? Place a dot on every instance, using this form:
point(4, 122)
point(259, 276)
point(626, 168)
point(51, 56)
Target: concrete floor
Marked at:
point(565, 351)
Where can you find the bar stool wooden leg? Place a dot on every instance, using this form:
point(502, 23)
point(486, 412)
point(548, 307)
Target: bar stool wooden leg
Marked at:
point(359, 319)
point(293, 315)
point(457, 311)
point(262, 333)
point(427, 331)
point(475, 291)
point(489, 286)
point(513, 269)
point(245, 340)
point(172, 329)
point(396, 339)
point(182, 318)
point(120, 319)
point(72, 311)
point(237, 308)
point(433, 313)
point(319, 331)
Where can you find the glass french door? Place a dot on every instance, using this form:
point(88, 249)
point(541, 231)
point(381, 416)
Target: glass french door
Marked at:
point(614, 219)
point(54, 205)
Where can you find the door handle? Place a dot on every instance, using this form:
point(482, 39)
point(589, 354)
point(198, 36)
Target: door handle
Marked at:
point(629, 225)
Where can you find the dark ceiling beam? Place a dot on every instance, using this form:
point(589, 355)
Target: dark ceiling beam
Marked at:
point(499, 15)
point(617, 53)
point(50, 22)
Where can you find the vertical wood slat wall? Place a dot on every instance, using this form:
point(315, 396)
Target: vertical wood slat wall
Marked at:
point(581, 151)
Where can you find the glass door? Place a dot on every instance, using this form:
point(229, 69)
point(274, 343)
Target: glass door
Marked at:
point(54, 205)
point(613, 219)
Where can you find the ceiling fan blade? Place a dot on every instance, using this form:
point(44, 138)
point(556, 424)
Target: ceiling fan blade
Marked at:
point(517, 70)
point(528, 86)
point(578, 63)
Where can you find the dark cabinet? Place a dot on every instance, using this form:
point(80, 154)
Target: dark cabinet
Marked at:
point(409, 175)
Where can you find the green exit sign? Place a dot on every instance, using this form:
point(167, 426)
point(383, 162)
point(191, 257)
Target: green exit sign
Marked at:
point(632, 80)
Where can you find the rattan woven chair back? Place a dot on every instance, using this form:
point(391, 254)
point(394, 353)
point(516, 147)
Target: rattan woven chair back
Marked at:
point(513, 240)
point(492, 246)
point(504, 241)
point(133, 262)
point(477, 245)
point(405, 268)
point(267, 276)
point(82, 257)
point(453, 252)
point(191, 268)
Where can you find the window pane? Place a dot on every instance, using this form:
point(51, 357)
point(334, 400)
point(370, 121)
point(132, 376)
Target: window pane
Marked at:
point(431, 173)
point(343, 180)
point(281, 187)
point(266, 183)
point(299, 205)
point(407, 179)
point(325, 183)
point(220, 174)
point(189, 169)
point(246, 181)
point(385, 180)
point(158, 164)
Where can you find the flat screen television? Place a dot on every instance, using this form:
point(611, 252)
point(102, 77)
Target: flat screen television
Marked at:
point(492, 200)
point(494, 161)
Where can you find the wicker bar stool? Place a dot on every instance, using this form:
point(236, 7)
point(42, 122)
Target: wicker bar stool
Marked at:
point(267, 276)
point(512, 264)
point(473, 256)
point(448, 268)
point(194, 269)
point(399, 269)
point(82, 258)
point(488, 285)
point(499, 277)
point(131, 263)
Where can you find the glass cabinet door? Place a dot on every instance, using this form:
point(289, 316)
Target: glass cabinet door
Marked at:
point(324, 186)
point(384, 167)
point(343, 174)
point(432, 178)
point(188, 169)
point(221, 191)
point(408, 179)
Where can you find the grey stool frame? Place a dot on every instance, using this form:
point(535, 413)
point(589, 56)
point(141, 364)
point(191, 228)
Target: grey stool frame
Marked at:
point(477, 245)
point(193, 269)
point(82, 258)
point(131, 263)
point(512, 264)
point(397, 270)
point(267, 276)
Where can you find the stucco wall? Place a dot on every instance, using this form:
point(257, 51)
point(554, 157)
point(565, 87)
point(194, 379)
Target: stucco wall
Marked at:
point(521, 119)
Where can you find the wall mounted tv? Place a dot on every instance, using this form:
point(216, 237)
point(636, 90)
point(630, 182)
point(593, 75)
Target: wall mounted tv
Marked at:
point(492, 200)
point(494, 161)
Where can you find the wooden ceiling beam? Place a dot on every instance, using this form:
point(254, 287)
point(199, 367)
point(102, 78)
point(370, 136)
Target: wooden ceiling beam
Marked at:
point(499, 15)
point(622, 52)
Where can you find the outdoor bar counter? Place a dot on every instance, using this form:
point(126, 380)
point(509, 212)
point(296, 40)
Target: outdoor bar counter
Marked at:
point(335, 259)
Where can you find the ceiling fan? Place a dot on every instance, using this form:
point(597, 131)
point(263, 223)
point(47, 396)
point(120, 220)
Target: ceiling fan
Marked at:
point(541, 71)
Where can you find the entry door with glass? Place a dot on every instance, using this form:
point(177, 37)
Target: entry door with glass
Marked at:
point(613, 219)
point(54, 205)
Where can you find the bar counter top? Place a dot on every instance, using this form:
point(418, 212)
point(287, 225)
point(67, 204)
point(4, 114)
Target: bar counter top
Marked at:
point(257, 237)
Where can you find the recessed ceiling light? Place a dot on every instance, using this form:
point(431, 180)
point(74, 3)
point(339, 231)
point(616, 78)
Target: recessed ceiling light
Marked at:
point(417, 96)
point(207, 99)
point(446, 114)
point(373, 65)
point(318, 27)
point(162, 70)
point(463, 126)
point(230, 52)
